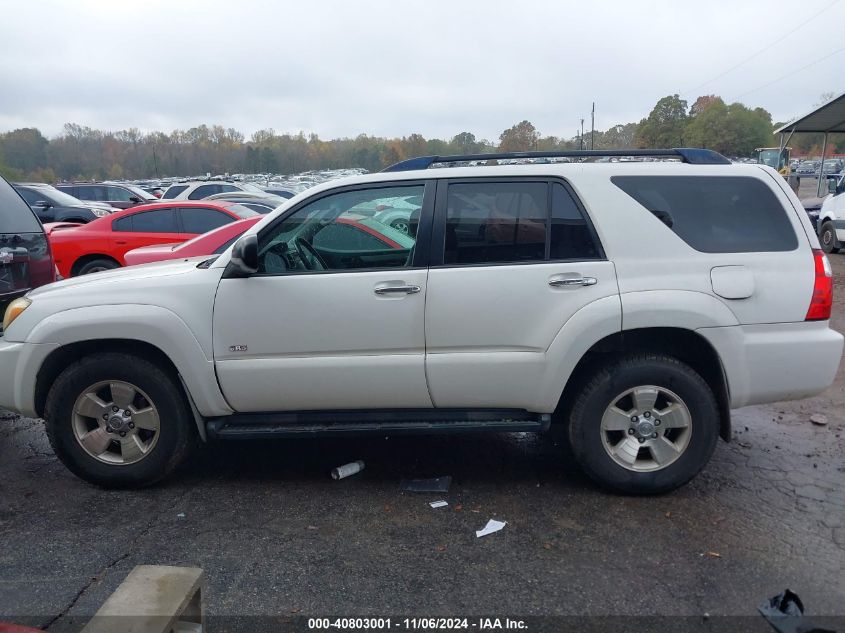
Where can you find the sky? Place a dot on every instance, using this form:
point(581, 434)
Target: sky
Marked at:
point(396, 67)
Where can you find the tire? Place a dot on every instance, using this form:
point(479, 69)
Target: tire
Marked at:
point(116, 466)
point(401, 226)
point(827, 237)
point(683, 451)
point(97, 265)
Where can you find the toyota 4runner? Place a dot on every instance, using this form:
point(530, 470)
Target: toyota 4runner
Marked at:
point(631, 304)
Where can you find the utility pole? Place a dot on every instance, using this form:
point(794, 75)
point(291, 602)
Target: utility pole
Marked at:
point(583, 145)
point(593, 126)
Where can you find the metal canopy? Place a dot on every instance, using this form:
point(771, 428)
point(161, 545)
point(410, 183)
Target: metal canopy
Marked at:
point(828, 118)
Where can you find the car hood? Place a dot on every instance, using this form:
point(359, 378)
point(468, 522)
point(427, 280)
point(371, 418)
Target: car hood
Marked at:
point(143, 276)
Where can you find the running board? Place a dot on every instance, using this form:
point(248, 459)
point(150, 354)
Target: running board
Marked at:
point(379, 422)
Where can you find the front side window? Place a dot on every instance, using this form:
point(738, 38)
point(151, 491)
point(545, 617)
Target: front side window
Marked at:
point(30, 196)
point(118, 194)
point(202, 191)
point(715, 214)
point(158, 221)
point(338, 232)
point(201, 220)
point(173, 191)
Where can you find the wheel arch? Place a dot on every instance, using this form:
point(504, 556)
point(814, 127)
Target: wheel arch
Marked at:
point(687, 346)
point(84, 259)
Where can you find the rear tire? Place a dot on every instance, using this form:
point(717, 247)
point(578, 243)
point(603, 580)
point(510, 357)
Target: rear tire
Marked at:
point(118, 421)
point(606, 441)
point(827, 237)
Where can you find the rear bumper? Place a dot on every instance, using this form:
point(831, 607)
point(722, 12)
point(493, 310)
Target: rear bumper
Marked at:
point(19, 365)
point(778, 361)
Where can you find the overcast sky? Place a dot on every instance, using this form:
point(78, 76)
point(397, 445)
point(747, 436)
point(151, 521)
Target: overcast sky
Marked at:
point(394, 67)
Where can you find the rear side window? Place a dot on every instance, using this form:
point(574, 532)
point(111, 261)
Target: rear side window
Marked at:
point(715, 214)
point(173, 191)
point(200, 220)
point(15, 215)
point(158, 221)
point(513, 222)
point(96, 193)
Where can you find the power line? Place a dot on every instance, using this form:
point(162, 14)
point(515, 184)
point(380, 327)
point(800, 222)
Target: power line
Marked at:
point(763, 50)
point(794, 72)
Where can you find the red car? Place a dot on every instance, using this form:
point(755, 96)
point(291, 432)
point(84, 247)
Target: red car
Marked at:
point(211, 243)
point(102, 243)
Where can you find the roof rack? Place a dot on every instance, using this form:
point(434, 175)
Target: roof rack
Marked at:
point(692, 155)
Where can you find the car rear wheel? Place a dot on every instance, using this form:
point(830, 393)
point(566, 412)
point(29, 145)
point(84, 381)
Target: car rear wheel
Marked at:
point(118, 421)
point(646, 424)
point(97, 265)
point(827, 237)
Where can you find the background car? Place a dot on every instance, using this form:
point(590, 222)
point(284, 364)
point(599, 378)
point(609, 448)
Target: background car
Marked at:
point(199, 189)
point(25, 258)
point(261, 204)
point(52, 205)
point(211, 243)
point(118, 195)
point(282, 192)
point(102, 244)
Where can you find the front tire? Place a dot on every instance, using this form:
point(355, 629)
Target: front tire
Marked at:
point(644, 425)
point(97, 265)
point(118, 421)
point(827, 237)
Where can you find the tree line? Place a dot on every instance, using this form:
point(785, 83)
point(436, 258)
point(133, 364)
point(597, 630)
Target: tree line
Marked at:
point(81, 152)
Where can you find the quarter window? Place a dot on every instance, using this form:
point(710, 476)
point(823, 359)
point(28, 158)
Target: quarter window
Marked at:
point(715, 214)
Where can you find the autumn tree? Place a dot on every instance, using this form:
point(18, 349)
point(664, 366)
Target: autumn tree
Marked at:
point(522, 137)
point(665, 124)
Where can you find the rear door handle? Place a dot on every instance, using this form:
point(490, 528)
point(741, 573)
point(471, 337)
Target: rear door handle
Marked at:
point(559, 281)
point(396, 290)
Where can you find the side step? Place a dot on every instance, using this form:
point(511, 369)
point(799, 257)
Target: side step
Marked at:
point(379, 422)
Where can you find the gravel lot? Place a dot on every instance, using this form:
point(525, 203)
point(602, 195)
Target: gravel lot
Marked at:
point(276, 535)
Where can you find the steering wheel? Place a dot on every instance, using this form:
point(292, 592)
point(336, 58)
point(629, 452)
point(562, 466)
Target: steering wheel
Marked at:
point(306, 250)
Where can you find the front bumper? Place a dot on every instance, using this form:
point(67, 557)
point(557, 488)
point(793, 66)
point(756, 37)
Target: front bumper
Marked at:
point(19, 365)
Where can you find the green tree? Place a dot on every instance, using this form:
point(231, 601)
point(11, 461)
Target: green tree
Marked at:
point(665, 124)
point(464, 143)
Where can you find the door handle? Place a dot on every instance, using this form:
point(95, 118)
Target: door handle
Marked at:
point(558, 282)
point(395, 290)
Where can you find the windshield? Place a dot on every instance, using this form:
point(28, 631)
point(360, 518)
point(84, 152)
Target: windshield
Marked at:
point(144, 195)
point(248, 186)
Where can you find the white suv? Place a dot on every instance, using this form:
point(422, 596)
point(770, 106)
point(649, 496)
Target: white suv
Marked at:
point(633, 304)
point(202, 189)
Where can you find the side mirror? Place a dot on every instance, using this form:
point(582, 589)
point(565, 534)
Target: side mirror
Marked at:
point(43, 204)
point(134, 199)
point(245, 254)
point(831, 186)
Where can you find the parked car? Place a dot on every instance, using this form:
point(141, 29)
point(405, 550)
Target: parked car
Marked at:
point(254, 201)
point(26, 261)
point(808, 168)
point(52, 205)
point(213, 242)
point(118, 195)
point(282, 192)
point(634, 305)
point(199, 189)
point(101, 244)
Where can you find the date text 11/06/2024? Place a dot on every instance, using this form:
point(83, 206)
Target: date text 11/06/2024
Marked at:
point(417, 624)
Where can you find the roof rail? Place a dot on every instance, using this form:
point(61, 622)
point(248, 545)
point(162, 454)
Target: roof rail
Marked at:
point(692, 155)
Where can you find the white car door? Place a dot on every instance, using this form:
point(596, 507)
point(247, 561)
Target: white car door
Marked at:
point(512, 261)
point(334, 317)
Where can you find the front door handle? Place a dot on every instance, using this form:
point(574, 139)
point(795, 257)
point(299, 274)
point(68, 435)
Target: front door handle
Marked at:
point(395, 290)
point(561, 281)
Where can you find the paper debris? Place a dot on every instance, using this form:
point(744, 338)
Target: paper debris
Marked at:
point(436, 484)
point(492, 526)
point(438, 504)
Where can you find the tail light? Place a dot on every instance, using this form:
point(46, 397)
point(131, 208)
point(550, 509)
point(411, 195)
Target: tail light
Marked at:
point(822, 300)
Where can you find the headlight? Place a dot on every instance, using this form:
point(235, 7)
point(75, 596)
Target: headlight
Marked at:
point(99, 212)
point(14, 310)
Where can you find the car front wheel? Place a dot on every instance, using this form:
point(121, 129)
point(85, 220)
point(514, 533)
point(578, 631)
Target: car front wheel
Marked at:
point(118, 421)
point(644, 425)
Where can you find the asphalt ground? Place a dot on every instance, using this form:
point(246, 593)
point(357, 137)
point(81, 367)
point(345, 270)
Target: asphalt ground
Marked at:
point(276, 536)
